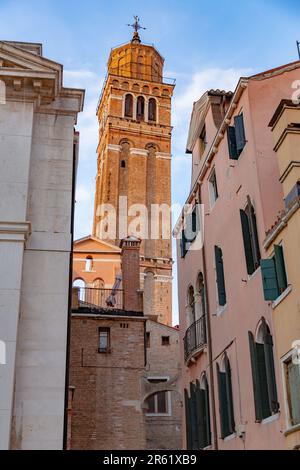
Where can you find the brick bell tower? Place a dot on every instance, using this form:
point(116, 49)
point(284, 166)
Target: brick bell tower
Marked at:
point(134, 162)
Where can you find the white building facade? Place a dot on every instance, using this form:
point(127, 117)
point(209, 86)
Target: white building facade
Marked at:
point(38, 158)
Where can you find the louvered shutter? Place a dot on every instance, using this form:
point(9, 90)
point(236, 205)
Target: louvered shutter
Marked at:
point(207, 416)
point(220, 276)
point(239, 133)
point(229, 397)
point(294, 392)
point(256, 249)
point(223, 406)
point(200, 415)
point(247, 242)
point(269, 278)
point(193, 411)
point(280, 268)
point(270, 369)
point(255, 377)
point(188, 421)
point(233, 153)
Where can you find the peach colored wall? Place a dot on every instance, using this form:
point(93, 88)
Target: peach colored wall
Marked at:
point(255, 174)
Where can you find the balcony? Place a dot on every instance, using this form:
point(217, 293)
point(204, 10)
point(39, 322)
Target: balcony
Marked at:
point(92, 299)
point(195, 339)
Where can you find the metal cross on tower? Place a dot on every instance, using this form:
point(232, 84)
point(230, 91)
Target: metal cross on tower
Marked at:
point(136, 25)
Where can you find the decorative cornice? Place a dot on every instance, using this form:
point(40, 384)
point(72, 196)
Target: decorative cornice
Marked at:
point(166, 279)
point(141, 152)
point(14, 231)
point(163, 156)
point(114, 148)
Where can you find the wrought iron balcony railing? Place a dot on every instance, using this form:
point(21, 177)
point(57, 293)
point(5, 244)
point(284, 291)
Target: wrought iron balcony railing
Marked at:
point(195, 338)
point(93, 298)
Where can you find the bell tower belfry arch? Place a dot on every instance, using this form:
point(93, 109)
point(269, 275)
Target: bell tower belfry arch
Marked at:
point(134, 160)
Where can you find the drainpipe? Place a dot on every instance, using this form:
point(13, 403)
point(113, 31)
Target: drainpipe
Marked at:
point(74, 172)
point(209, 345)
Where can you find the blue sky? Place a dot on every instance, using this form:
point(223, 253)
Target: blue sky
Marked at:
point(206, 44)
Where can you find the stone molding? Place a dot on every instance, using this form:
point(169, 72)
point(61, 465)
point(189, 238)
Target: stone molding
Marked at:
point(14, 231)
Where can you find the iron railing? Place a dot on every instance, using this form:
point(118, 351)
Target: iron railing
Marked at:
point(89, 297)
point(195, 337)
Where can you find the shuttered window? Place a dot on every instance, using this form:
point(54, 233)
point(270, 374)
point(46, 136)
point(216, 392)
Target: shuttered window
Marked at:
point(263, 374)
point(236, 137)
point(250, 237)
point(226, 400)
point(220, 276)
point(293, 391)
point(188, 420)
point(197, 413)
point(274, 275)
point(213, 188)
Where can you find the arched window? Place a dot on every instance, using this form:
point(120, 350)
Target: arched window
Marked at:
point(152, 110)
point(140, 109)
point(89, 264)
point(200, 297)
point(129, 106)
point(225, 398)
point(263, 372)
point(99, 294)
point(81, 286)
point(158, 404)
point(191, 305)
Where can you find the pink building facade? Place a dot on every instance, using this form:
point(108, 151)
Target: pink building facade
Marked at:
point(231, 380)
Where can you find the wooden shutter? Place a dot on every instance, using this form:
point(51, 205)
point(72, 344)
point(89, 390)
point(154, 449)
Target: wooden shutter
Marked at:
point(223, 406)
point(220, 276)
point(270, 369)
point(193, 410)
point(229, 397)
point(269, 278)
point(183, 243)
point(255, 377)
point(233, 153)
point(200, 415)
point(239, 133)
point(188, 421)
point(293, 373)
point(280, 268)
point(207, 415)
point(263, 382)
point(247, 242)
point(255, 241)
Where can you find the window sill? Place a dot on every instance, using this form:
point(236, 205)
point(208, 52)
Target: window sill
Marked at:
point(221, 310)
point(292, 429)
point(282, 297)
point(158, 415)
point(271, 419)
point(229, 438)
point(251, 276)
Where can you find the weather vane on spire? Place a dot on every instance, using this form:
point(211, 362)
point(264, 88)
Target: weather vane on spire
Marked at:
point(136, 26)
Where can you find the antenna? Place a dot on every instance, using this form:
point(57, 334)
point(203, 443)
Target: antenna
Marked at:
point(298, 47)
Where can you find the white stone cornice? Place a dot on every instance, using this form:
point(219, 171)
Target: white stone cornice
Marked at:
point(167, 279)
point(116, 97)
point(163, 156)
point(114, 148)
point(14, 231)
point(141, 152)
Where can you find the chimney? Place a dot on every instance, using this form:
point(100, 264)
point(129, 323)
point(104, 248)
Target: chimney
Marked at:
point(131, 274)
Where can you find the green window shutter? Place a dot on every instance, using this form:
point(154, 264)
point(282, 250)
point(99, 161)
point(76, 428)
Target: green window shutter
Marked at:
point(240, 133)
point(193, 409)
point(255, 377)
point(294, 392)
point(220, 276)
point(255, 241)
point(269, 278)
point(280, 268)
point(263, 381)
point(207, 416)
point(247, 242)
point(233, 153)
point(200, 415)
point(270, 369)
point(223, 405)
point(188, 421)
point(183, 242)
point(229, 397)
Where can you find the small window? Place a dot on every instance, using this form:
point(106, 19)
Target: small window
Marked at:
point(89, 264)
point(292, 383)
point(213, 188)
point(158, 404)
point(148, 340)
point(165, 340)
point(236, 137)
point(129, 106)
point(203, 141)
point(123, 164)
point(104, 340)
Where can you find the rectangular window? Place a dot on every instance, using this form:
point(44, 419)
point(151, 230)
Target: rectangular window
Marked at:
point(292, 378)
point(226, 400)
point(220, 276)
point(159, 403)
point(213, 188)
point(104, 340)
point(165, 340)
point(236, 137)
point(274, 275)
point(250, 237)
point(148, 340)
